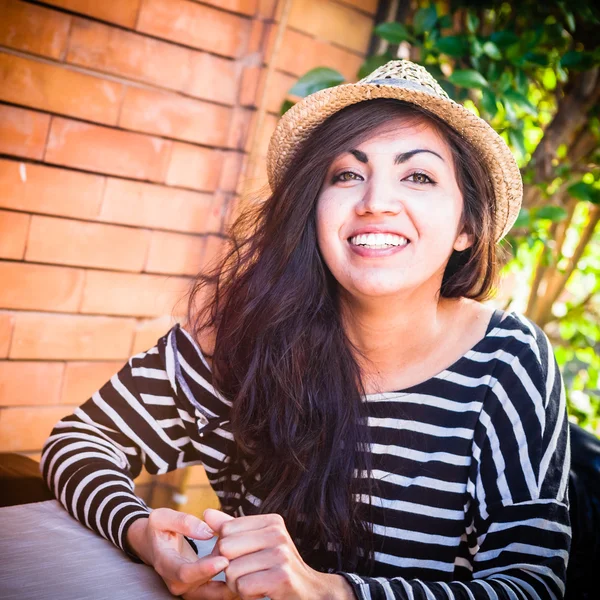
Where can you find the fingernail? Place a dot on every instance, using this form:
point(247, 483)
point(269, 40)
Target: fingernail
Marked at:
point(221, 563)
point(202, 529)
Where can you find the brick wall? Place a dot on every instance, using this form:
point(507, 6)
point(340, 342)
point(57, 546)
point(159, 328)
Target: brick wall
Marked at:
point(125, 130)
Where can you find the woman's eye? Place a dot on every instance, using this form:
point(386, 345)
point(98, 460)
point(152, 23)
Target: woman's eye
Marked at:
point(421, 178)
point(347, 176)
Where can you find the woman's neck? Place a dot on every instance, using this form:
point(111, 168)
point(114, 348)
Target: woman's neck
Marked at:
point(394, 333)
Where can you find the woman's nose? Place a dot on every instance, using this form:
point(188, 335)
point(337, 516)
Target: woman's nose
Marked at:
point(380, 197)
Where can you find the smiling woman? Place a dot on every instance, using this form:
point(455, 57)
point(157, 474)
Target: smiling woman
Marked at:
point(372, 429)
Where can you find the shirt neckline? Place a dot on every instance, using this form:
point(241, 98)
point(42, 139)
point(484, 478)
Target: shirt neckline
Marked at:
point(498, 317)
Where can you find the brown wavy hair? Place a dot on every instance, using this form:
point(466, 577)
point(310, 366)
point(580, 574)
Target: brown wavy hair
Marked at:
point(281, 353)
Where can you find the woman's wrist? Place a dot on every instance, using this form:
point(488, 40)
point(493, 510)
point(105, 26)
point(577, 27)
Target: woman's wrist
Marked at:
point(136, 540)
point(335, 587)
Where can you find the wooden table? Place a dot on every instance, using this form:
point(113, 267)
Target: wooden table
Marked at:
point(45, 554)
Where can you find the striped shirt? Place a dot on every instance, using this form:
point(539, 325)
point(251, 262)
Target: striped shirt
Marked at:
point(471, 466)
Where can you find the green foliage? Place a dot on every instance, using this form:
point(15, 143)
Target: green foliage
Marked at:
point(511, 63)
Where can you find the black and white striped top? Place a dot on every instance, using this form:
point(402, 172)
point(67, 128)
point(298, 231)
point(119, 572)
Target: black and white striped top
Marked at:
point(471, 465)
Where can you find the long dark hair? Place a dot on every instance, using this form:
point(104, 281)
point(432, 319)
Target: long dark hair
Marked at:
point(281, 353)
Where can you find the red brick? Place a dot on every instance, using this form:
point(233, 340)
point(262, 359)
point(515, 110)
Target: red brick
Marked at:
point(334, 22)
point(244, 7)
point(213, 78)
point(239, 128)
point(369, 6)
point(70, 337)
point(253, 84)
point(194, 167)
point(127, 294)
point(59, 90)
point(123, 12)
point(267, 8)
point(14, 228)
point(149, 331)
point(106, 150)
point(131, 55)
point(175, 116)
point(195, 25)
point(89, 244)
point(159, 207)
point(300, 53)
point(23, 132)
point(32, 28)
point(231, 171)
point(256, 39)
point(218, 208)
point(175, 253)
point(28, 428)
point(213, 252)
point(38, 188)
point(260, 140)
point(40, 287)
point(6, 327)
point(35, 383)
point(82, 379)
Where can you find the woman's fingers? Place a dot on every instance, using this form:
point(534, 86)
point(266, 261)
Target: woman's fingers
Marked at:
point(213, 590)
point(225, 527)
point(216, 519)
point(246, 542)
point(172, 566)
point(165, 519)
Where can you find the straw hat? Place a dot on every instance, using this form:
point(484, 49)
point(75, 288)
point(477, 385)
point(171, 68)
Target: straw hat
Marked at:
point(403, 80)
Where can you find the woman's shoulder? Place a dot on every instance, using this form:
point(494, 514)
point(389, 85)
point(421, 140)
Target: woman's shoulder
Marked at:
point(522, 343)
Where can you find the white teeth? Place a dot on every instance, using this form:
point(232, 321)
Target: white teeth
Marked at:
point(378, 240)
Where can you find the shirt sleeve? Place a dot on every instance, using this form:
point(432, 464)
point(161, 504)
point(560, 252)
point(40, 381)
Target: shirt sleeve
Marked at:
point(519, 527)
point(151, 413)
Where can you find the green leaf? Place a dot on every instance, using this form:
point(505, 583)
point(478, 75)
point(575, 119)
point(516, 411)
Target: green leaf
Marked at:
point(452, 45)
point(472, 22)
point(549, 79)
point(570, 59)
point(425, 19)
point(468, 78)
point(285, 106)
point(537, 58)
point(503, 39)
point(551, 213)
point(520, 101)
point(580, 61)
point(372, 63)
point(489, 102)
point(476, 47)
point(445, 22)
point(316, 79)
point(394, 33)
point(492, 50)
point(585, 191)
point(523, 219)
point(517, 140)
point(493, 72)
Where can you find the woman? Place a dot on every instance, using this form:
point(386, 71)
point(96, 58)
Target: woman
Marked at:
point(346, 377)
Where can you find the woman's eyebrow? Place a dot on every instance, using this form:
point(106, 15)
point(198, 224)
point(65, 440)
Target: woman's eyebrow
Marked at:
point(404, 156)
point(400, 158)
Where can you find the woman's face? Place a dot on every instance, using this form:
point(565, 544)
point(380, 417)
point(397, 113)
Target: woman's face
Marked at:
point(389, 210)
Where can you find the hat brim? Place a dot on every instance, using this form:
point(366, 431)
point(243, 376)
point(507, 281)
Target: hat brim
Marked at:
point(301, 120)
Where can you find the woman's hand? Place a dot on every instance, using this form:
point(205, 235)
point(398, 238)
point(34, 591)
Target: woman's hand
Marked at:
point(159, 541)
point(263, 561)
